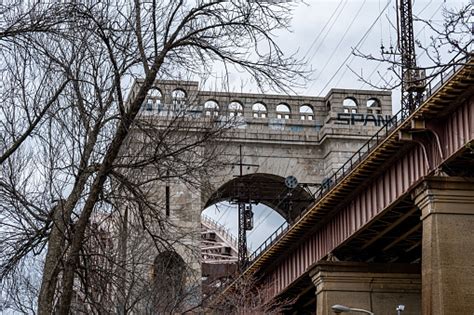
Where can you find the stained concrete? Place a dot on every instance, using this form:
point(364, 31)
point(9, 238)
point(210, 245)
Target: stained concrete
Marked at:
point(447, 207)
point(378, 288)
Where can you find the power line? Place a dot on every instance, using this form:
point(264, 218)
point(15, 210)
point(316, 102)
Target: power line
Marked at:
point(329, 30)
point(339, 43)
point(356, 47)
point(381, 62)
point(417, 58)
point(262, 220)
point(325, 25)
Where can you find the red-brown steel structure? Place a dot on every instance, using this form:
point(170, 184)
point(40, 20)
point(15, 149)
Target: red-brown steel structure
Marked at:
point(432, 139)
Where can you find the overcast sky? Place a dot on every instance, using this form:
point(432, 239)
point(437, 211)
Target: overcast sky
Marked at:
point(325, 32)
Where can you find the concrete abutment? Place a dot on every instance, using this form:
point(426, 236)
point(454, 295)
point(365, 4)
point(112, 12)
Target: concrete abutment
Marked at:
point(447, 213)
point(379, 288)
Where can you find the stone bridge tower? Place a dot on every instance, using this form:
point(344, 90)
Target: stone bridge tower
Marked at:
point(307, 137)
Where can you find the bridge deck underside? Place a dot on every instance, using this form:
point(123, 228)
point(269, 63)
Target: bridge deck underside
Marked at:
point(370, 208)
point(394, 236)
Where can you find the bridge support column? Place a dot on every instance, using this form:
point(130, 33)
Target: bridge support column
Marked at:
point(447, 212)
point(376, 287)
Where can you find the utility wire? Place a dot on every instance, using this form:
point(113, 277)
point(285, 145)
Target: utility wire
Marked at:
point(417, 57)
point(329, 30)
point(381, 62)
point(322, 30)
point(353, 49)
point(339, 43)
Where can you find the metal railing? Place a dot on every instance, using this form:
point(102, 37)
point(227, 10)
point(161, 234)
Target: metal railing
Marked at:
point(399, 118)
point(223, 232)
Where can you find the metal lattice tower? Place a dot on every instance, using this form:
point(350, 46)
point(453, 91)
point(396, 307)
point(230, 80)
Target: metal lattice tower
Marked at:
point(412, 77)
point(245, 213)
point(243, 255)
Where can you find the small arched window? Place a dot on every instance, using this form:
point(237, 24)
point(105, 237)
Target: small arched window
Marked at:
point(211, 108)
point(373, 106)
point(259, 110)
point(235, 109)
point(283, 111)
point(179, 100)
point(306, 112)
point(155, 95)
point(350, 105)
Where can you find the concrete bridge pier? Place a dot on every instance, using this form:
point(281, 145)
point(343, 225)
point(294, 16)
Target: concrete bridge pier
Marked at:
point(379, 288)
point(447, 207)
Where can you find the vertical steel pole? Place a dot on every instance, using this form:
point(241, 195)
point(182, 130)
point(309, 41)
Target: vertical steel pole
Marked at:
point(243, 258)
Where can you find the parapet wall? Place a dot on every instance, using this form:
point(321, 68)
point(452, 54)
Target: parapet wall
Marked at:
point(275, 112)
point(316, 134)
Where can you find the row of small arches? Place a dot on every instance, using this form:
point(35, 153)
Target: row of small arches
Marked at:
point(235, 108)
point(259, 110)
point(181, 94)
point(177, 94)
point(352, 102)
point(154, 96)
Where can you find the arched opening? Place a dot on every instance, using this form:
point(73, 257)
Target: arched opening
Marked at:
point(283, 111)
point(235, 109)
point(179, 100)
point(272, 205)
point(350, 105)
point(259, 110)
point(211, 108)
point(168, 280)
point(154, 93)
point(267, 189)
point(155, 96)
point(225, 215)
point(306, 112)
point(373, 106)
point(219, 240)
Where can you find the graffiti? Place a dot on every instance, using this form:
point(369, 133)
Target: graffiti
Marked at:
point(362, 119)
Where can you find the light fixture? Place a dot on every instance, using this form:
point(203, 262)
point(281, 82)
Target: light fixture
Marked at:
point(400, 308)
point(344, 309)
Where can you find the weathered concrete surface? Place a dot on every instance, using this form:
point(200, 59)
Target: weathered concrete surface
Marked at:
point(447, 207)
point(308, 144)
point(379, 288)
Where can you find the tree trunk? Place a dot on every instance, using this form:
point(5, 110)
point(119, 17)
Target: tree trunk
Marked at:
point(53, 259)
point(97, 186)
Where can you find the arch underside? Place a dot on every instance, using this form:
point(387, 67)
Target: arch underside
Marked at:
point(266, 189)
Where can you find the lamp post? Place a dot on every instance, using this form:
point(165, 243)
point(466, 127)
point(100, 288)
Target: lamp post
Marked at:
point(343, 309)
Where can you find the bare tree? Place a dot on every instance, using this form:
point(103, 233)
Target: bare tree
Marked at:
point(69, 129)
point(247, 295)
point(29, 84)
point(449, 39)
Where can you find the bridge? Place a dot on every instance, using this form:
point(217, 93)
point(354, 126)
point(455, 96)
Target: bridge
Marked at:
point(279, 135)
point(394, 223)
